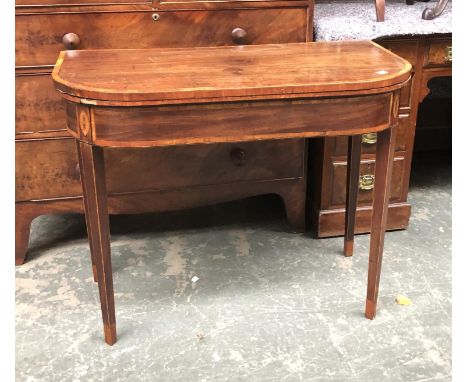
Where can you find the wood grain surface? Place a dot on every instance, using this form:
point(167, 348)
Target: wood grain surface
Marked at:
point(218, 73)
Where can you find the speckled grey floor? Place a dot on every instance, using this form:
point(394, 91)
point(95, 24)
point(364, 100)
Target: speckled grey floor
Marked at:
point(356, 20)
point(270, 305)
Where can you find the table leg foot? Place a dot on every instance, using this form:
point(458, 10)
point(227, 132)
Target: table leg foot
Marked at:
point(110, 334)
point(371, 309)
point(348, 247)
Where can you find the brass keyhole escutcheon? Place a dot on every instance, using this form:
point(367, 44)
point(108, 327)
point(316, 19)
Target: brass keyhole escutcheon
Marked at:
point(155, 16)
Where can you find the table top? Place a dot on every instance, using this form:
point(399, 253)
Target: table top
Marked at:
point(185, 75)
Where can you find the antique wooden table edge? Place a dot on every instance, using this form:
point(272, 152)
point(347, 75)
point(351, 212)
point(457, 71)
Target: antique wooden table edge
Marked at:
point(158, 97)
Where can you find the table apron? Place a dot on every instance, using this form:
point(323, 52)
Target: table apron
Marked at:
point(147, 126)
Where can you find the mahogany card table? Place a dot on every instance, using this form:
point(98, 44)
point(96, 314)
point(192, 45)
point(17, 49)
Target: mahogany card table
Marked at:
point(167, 97)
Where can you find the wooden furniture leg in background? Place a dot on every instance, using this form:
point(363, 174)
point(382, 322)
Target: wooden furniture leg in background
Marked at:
point(380, 9)
point(383, 175)
point(432, 13)
point(23, 220)
point(352, 184)
point(97, 219)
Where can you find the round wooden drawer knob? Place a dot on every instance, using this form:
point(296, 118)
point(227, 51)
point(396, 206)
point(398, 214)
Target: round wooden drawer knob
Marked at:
point(239, 36)
point(71, 41)
point(238, 157)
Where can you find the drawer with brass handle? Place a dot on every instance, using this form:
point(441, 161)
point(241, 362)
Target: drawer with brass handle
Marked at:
point(369, 141)
point(366, 182)
point(439, 52)
point(40, 37)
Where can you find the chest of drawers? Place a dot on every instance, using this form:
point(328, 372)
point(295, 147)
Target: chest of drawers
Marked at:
point(47, 174)
point(431, 56)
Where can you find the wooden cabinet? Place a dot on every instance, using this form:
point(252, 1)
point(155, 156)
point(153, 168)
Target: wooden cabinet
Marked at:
point(430, 57)
point(47, 177)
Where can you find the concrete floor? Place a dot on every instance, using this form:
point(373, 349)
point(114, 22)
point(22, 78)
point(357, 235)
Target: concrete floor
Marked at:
point(269, 305)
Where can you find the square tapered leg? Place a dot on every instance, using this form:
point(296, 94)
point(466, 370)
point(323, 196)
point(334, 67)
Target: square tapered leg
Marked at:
point(383, 175)
point(352, 186)
point(97, 219)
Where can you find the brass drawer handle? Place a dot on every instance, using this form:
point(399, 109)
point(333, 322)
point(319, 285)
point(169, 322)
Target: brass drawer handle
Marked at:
point(448, 54)
point(155, 16)
point(366, 182)
point(369, 139)
point(71, 41)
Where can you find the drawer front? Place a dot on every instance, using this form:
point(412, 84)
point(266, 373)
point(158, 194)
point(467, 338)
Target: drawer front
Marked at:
point(439, 52)
point(39, 107)
point(340, 147)
point(39, 37)
point(338, 182)
point(408, 49)
point(48, 168)
point(175, 167)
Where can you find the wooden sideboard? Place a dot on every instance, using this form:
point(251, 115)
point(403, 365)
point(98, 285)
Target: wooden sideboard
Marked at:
point(431, 56)
point(47, 173)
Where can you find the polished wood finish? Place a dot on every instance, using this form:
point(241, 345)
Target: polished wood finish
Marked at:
point(272, 161)
point(383, 175)
point(97, 219)
point(296, 84)
point(39, 39)
point(219, 123)
point(216, 74)
point(47, 174)
point(73, 2)
point(329, 156)
point(86, 198)
point(354, 156)
point(38, 107)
